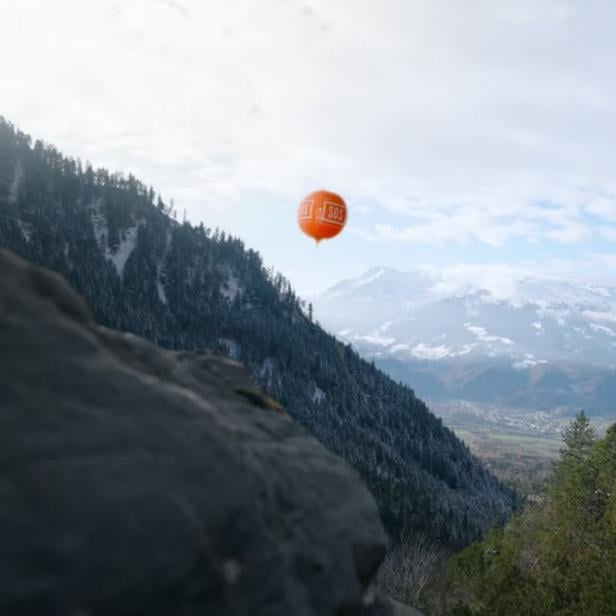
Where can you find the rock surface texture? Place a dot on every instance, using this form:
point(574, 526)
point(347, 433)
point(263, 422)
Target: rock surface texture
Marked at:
point(140, 481)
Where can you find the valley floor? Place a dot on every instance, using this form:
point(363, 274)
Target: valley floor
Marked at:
point(519, 446)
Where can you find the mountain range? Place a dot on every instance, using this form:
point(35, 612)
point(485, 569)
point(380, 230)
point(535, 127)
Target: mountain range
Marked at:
point(188, 287)
point(531, 342)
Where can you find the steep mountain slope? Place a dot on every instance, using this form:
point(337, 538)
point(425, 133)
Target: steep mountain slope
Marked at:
point(185, 287)
point(530, 342)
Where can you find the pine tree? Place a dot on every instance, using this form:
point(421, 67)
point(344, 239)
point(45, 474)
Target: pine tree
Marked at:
point(558, 557)
point(578, 440)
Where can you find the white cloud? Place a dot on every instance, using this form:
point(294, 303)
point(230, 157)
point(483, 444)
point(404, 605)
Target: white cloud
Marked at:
point(416, 105)
point(604, 207)
point(571, 233)
point(443, 123)
point(608, 233)
point(500, 280)
point(505, 281)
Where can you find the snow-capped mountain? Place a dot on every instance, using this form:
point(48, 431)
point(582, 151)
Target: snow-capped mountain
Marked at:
point(513, 340)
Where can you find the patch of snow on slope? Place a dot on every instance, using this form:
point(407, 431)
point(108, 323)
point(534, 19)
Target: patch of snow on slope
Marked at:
point(18, 177)
point(318, 395)
point(528, 362)
point(465, 350)
point(25, 229)
point(160, 287)
point(162, 296)
point(424, 351)
point(126, 247)
point(482, 334)
point(376, 338)
point(400, 347)
point(434, 352)
point(231, 288)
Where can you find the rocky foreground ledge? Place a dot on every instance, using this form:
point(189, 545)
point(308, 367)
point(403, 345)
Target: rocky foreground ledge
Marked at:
point(135, 480)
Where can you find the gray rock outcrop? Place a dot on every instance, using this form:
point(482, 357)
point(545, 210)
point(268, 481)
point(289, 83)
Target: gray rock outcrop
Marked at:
point(135, 480)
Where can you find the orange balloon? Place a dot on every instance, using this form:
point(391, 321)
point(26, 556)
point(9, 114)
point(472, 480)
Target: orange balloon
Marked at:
point(322, 215)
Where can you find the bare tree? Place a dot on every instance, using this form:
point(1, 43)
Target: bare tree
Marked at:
point(409, 567)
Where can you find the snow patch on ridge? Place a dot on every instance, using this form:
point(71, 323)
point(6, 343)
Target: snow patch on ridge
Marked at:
point(425, 351)
point(528, 362)
point(432, 352)
point(376, 338)
point(482, 334)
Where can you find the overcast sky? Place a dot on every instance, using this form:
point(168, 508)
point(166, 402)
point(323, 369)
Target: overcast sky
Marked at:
point(476, 135)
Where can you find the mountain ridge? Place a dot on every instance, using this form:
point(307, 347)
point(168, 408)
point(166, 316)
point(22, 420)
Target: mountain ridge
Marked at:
point(423, 328)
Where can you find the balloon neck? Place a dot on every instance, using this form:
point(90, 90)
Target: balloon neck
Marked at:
point(317, 241)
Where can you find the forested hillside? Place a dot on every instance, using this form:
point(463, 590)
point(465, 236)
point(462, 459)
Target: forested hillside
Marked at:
point(188, 287)
point(558, 556)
